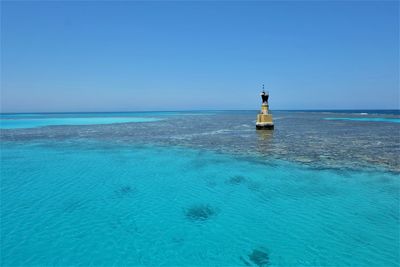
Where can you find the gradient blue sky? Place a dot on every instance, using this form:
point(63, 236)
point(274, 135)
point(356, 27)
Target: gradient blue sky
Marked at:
point(133, 55)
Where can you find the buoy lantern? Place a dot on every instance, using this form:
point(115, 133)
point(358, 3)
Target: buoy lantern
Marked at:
point(264, 118)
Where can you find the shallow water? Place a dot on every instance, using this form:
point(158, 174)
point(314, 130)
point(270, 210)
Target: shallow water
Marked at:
point(169, 193)
point(33, 123)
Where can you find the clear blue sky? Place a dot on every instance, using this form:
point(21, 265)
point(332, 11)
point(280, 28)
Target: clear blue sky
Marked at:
point(130, 55)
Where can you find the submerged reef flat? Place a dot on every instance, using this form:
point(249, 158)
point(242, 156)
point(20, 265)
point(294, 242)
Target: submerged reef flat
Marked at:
point(306, 137)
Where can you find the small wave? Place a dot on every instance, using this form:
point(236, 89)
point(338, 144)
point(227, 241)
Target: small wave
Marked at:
point(390, 120)
point(185, 136)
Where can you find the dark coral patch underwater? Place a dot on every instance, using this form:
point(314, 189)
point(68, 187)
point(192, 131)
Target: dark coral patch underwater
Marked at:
point(258, 257)
point(235, 180)
point(200, 212)
point(124, 191)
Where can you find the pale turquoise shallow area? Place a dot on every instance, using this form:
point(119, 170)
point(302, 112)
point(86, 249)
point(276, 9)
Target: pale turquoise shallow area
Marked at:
point(393, 120)
point(200, 189)
point(90, 203)
point(33, 123)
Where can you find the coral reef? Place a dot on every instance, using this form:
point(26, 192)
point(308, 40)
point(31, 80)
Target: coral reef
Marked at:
point(259, 257)
point(124, 190)
point(200, 212)
point(235, 180)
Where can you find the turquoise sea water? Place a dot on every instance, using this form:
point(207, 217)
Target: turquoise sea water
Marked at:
point(32, 123)
point(169, 193)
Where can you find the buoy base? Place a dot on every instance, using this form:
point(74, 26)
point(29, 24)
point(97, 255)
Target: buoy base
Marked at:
point(264, 122)
point(264, 126)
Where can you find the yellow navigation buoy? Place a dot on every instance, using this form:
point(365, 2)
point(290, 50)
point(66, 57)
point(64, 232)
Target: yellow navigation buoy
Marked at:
point(264, 119)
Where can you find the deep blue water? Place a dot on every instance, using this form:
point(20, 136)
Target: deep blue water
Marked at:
point(354, 111)
point(200, 188)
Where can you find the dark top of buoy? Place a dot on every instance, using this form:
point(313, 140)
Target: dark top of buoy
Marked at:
point(264, 96)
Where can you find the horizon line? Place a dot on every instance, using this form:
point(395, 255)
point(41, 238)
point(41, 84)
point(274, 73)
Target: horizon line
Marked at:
point(195, 110)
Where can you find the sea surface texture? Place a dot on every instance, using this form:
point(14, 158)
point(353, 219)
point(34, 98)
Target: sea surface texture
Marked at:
point(200, 189)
